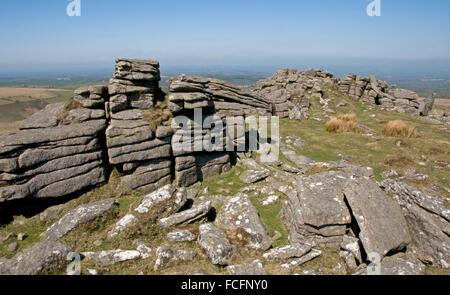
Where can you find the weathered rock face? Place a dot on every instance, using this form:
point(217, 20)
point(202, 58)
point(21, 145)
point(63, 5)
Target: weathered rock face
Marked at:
point(286, 252)
point(197, 167)
point(372, 91)
point(216, 99)
point(35, 259)
point(187, 216)
point(316, 212)
point(214, 96)
point(382, 226)
point(112, 256)
point(76, 217)
point(215, 243)
point(325, 206)
point(58, 151)
point(426, 106)
point(428, 221)
point(166, 255)
point(239, 213)
point(251, 268)
point(290, 91)
point(134, 145)
point(180, 235)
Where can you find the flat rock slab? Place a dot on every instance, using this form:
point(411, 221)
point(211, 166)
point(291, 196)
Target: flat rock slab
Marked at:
point(252, 268)
point(76, 217)
point(299, 160)
point(215, 242)
point(286, 252)
point(239, 213)
point(166, 255)
point(112, 256)
point(43, 119)
point(181, 235)
point(382, 226)
point(187, 216)
point(253, 176)
point(165, 193)
point(299, 261)
point(35, 259)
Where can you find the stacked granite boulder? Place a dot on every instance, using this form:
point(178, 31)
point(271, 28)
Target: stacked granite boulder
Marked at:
point(213, 96)
point(369, 90)
point(291, 91)
point(57, 151)
point(190, 94)
point(135, 145)
point(345, 209)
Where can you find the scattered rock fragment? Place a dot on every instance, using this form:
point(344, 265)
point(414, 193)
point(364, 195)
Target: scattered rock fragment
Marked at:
point(252, 268)
point(73, 219)
point(111, 257)
point(166, 255)
point(123, 223)
point(299, 261)
point(180, 235)
point(215, 243)
point(286, 252)
point(187, 216)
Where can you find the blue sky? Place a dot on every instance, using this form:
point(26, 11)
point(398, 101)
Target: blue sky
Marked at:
point(37, 33)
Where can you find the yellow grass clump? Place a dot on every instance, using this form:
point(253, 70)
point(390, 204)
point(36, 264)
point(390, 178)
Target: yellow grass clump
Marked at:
point(399, 128)
point(342, 123)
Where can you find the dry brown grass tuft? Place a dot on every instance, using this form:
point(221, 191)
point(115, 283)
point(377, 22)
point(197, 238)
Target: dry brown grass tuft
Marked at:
point(155, 117)
point(399, 128)
point(347, 117)
point(342, 123)
point(70, 105)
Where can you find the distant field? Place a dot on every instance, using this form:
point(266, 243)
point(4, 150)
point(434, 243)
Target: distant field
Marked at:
point(18, 103)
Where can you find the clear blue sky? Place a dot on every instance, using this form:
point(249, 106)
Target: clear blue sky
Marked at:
point(39, 32)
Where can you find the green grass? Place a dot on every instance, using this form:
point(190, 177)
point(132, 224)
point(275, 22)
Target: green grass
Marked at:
point(227, 183)
point(321, 145)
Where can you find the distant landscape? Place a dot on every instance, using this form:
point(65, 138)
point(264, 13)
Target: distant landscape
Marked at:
point(23, 95)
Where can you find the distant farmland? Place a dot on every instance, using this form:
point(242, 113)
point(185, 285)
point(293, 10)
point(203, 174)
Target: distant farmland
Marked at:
point(18, 103)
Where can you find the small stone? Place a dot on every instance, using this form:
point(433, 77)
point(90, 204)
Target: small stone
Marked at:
point(12, 247)
point(166, 255)
point(254, 267)
point(286, 252)
point(98, 243)
point(180, 235)
point(299, 261)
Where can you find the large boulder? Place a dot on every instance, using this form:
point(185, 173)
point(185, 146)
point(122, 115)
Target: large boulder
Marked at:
point(239, 213)
point(36, 259)
point(428, 222)
point(326, 205)
point(383, 228)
